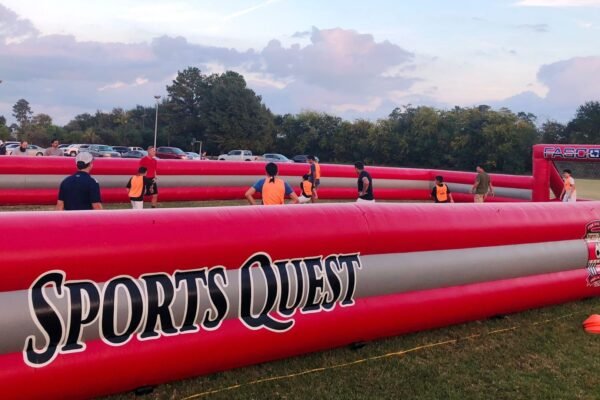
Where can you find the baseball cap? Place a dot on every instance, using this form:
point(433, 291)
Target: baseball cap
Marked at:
point(84, 157)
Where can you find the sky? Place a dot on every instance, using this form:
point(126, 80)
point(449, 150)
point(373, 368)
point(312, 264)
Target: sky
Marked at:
point(356, 59)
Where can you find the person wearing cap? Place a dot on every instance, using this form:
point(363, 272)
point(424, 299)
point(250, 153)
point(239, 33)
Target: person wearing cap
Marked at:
point(2, 148)
point(441, 192)
point(53, 150)
point(80, 191)
point(273, 189)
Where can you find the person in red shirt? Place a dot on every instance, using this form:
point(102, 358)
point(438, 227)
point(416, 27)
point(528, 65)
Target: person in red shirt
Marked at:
point(150, 187)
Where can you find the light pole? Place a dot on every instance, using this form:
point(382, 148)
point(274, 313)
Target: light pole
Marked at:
point(156, 121)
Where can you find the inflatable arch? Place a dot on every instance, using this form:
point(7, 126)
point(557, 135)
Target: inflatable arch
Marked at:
point(93, 303)
point(547, 177)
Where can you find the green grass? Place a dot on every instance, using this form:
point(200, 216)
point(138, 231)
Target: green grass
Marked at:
point(538, 354)
point(588, 189)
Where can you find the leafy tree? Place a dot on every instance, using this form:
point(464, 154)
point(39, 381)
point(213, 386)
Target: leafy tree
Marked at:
point(22, 113)
point(553, 132)
point(4, 131)
point(585, 127)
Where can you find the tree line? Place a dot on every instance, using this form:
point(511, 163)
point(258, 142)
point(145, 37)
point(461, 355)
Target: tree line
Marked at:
point(222, 112)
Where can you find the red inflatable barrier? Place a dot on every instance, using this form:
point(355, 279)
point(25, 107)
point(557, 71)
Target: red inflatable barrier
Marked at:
point(167, 294)
point(36, 180)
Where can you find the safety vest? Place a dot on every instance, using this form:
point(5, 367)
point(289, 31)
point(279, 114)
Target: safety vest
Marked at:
point(441, 192)
point(568, 184)
point(137, 186)
point(306, 187)
point(273, 193)
point(317, 171)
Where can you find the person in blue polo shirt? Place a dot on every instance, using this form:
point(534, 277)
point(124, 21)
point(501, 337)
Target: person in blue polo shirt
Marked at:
point(80, 191)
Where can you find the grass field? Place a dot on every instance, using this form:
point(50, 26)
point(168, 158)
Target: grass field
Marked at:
point(588, 189)
point(538, 354)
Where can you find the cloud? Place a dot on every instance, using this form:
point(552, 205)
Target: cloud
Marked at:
point(13, 28)
point(249, 10)
point(302, 35)
point(559, 3)
point(570, 83)
point(336, 70)
point(540, 28)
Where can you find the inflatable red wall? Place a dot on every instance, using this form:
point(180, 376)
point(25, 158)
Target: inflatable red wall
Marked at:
point(35, 180)
point(94, 303)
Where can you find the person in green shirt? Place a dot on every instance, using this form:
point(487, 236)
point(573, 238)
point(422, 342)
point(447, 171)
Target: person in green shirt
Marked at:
point(482, 186)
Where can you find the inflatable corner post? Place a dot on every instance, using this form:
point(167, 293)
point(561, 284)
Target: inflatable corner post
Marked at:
point(94, 303)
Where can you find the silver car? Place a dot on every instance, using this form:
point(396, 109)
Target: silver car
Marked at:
point(101, 150)
point(32, 149)
point(276, 158)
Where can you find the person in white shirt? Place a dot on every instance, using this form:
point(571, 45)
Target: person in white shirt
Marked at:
point(569, 194)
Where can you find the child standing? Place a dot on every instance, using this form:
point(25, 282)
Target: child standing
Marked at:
point(135, 189)
point(306, 190)
point(440, 192)
point(569, 194)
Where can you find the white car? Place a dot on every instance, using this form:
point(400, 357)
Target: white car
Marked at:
point(238, 155)
point(32, 149)
point(136, 149)
point(276, 158)
point(74, 149)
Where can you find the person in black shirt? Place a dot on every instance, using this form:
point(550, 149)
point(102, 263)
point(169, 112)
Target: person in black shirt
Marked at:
point(365, 183)
point(80, 191)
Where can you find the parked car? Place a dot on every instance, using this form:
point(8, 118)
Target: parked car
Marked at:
point(238, 155)
point(135, 154)
point(171, 153)
point(192, 156)
point(303, 158)
point(32, 149)
point(101, 150)
point(63, 147)
point(135, 149)
point(276, 158)
point(121, 149)
point(74, 149)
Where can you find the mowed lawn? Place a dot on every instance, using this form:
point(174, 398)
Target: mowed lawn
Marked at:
point(588, 188)
point(538, 354)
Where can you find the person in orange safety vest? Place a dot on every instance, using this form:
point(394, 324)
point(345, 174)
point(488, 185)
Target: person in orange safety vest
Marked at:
point(441, 192)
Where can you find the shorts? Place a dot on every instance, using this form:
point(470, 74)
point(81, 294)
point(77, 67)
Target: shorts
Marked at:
point(479, 198)
point(150, 187)
point(316, 183)
point(303, 200)
point(137, 205)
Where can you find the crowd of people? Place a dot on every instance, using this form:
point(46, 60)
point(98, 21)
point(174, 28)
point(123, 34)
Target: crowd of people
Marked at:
point(82, 192)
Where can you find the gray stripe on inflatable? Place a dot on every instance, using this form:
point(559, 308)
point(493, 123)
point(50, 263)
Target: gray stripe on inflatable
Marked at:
point(382, 274)
point(512, 193)
point(168, 181)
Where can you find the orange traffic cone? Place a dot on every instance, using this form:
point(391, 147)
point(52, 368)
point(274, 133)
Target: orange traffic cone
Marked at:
point(592, 324)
